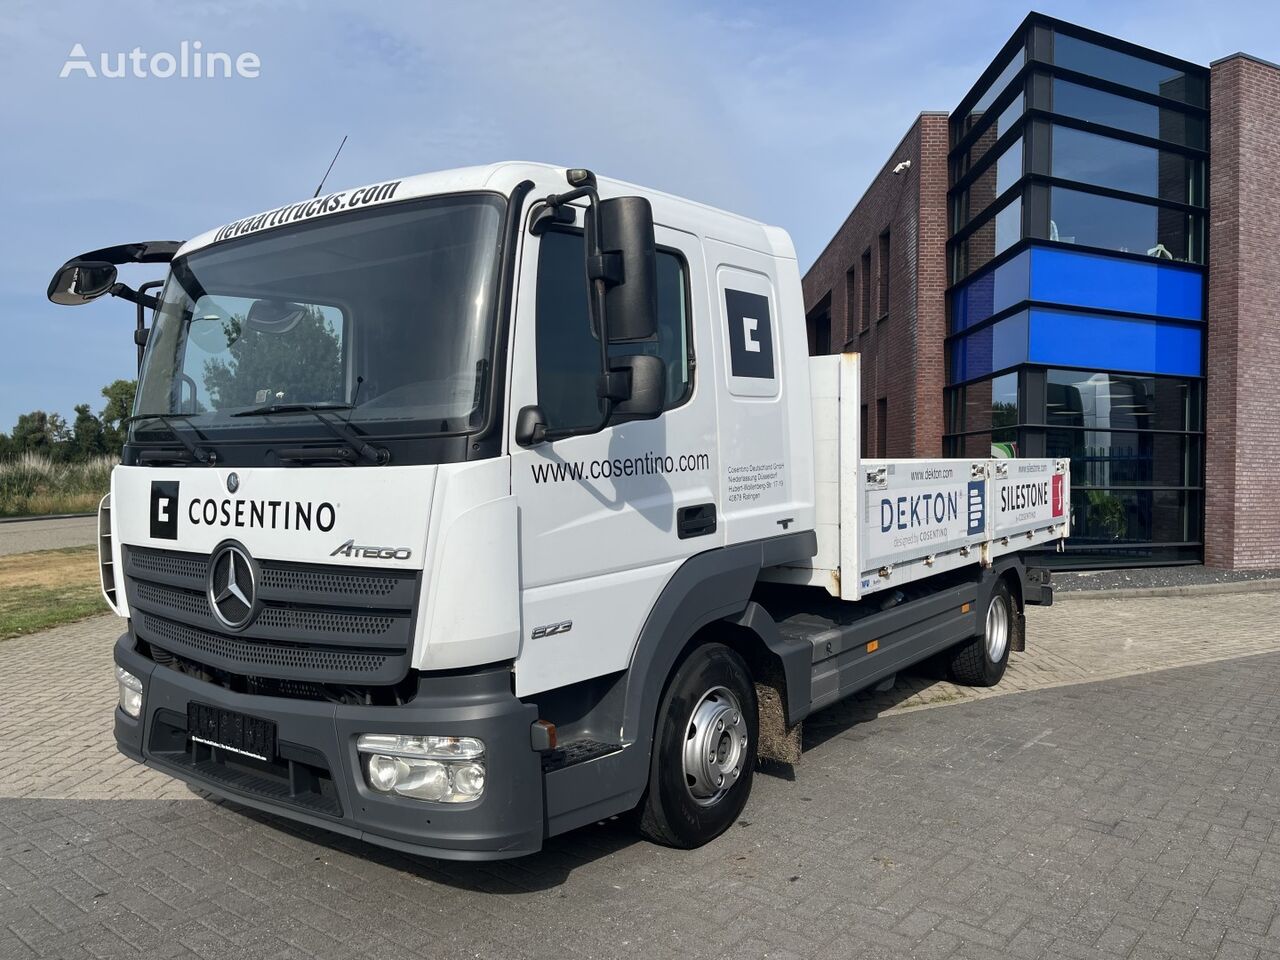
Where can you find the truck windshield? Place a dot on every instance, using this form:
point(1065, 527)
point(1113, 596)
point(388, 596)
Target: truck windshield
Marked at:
point(387, 312)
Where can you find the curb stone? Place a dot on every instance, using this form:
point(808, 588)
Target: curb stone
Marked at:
point(1183, 590)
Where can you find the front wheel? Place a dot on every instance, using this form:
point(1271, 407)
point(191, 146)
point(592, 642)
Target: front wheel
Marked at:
point(704, 751)
point(981, 662)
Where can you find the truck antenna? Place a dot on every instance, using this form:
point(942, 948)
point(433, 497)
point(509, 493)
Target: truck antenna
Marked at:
point(331, 163)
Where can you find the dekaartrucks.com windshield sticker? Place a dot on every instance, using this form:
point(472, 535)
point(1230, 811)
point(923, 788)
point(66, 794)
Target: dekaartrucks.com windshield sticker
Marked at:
point(306, 209)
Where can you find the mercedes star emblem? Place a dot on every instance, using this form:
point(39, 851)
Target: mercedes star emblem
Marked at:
point(231, 588)
point(233, 483)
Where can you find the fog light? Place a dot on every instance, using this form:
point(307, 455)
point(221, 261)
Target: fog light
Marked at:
point(130, 692)
point(438, 769)
point(468, 779)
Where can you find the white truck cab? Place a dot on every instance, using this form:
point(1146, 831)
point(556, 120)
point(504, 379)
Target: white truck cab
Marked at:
point(461, 510)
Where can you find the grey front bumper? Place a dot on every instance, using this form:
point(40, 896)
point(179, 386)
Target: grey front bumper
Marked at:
point(317, 778)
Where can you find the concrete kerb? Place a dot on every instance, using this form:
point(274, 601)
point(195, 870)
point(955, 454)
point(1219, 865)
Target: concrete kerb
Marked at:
point(1183, 590)
point(47, 516)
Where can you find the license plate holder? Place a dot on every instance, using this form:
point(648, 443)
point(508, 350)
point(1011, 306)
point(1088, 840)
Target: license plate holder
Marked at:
point(228, 730)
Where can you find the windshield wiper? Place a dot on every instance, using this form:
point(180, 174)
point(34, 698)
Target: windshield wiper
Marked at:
point(198, 453)
point(292, 408)
point(375, 455)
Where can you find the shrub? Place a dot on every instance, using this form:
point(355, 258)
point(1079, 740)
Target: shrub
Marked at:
point(32, 484)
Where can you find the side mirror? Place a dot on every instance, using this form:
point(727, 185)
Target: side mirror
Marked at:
point(81, 281)
point(648, 386)
point(531, 426)
point(626, 239)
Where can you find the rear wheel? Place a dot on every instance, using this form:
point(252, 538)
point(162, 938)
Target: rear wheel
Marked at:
point(981, 662)
point(704, 751)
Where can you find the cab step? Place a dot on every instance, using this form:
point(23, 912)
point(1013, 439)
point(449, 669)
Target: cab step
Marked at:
point(573, 752)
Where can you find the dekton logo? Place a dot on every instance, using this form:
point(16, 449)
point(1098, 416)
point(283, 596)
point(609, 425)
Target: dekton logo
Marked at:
point(190, 62)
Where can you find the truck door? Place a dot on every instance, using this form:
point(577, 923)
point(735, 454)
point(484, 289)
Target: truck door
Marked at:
point(766, 448)
point(605, 519)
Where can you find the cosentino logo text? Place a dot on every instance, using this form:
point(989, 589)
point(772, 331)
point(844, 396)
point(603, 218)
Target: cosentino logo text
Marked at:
point(262, 514)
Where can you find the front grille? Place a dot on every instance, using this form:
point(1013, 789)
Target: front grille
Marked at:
point(328, 582)
point(249, 656)
point(176, 601)
point(320, 622)
point(187, 566)
point(278, 621)
point(316, 625)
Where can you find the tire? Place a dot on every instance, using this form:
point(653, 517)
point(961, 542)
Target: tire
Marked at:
point(709, 703)
point(981, 662)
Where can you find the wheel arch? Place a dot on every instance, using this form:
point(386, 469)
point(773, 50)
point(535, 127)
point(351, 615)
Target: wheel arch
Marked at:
point(709, 598)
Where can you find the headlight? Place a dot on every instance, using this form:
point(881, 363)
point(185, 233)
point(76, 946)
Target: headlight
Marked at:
point(130, 692)
point(440, 769)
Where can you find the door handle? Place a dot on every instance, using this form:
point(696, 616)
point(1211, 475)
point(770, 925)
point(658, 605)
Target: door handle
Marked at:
point(696, 521)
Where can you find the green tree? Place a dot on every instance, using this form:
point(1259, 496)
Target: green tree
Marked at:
point(119, 395)
point(88, 439)
point(6, 447)
point(38, 432)
point(304, 363)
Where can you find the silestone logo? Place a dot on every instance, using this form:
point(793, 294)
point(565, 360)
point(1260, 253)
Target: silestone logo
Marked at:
point(190, 62)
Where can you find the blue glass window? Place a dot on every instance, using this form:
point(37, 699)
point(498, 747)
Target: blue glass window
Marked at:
point(1069, 339)
point(997, 347)
point(991, 292)
point(1063, 338)
point(1079, 279)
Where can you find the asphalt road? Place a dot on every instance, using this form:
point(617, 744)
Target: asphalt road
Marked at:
point(25, 536)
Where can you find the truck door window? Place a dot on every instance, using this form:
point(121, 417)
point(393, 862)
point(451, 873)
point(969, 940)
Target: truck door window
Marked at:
point(568, 352)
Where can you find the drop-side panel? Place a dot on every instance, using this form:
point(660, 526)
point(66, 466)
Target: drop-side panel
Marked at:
point(885, 523)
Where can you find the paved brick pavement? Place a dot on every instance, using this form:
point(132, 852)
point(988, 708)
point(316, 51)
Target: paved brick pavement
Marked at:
point(60, 745)
point(1133, 818)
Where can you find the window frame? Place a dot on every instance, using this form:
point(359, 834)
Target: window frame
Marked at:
point(864, 291)
point(686, 293)
point(884, 279)
point(853, 321)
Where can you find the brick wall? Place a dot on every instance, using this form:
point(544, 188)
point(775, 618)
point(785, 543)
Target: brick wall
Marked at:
point(1242, 522)
point(902, 341)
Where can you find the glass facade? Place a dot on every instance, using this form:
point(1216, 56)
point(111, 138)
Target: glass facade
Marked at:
point(1076, 307)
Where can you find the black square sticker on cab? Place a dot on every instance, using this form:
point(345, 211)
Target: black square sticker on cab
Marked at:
point(164, 509)
point(750, 335)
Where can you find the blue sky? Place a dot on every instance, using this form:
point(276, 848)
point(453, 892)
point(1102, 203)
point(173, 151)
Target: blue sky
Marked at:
point(781, 111)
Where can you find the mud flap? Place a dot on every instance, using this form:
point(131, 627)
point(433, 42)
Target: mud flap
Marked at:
point(777, 741)
point(1019, 644)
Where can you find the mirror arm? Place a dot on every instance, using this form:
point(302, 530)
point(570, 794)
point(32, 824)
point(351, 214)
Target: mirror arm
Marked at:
point(144, 301)
point(126, 292)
